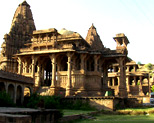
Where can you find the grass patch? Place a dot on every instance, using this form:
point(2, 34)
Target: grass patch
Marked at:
point(120, 119)
point(137, 109)
point(75, 112)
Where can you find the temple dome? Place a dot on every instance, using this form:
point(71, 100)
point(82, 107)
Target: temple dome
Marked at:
point(64, 31)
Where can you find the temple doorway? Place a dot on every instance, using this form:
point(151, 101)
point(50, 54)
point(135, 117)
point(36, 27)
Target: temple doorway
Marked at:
point(48, 73)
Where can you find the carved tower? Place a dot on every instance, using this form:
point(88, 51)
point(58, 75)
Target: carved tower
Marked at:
point(93, 39)
point(20, 33)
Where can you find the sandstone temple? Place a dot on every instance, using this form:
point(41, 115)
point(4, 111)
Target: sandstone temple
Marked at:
point(63, 62)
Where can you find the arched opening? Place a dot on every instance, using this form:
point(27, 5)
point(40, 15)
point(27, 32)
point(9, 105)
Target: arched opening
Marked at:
point(2, 87)
point(27, 91)
point(11, 91)
point(27, 94)
point(19, 95)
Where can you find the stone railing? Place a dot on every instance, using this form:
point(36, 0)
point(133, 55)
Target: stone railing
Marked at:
point(15, 77)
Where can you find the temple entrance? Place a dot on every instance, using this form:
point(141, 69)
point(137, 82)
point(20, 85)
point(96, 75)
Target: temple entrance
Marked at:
point(48, 73)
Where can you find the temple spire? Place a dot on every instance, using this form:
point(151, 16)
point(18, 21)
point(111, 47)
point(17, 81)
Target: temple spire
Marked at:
point(20, 33)
point(93, 39)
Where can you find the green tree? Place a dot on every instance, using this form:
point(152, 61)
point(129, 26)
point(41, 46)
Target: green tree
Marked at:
point(139, 63)
point(152, 88)
point(149, 67)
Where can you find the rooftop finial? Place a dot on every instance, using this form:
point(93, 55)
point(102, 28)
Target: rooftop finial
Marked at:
point(92, 26)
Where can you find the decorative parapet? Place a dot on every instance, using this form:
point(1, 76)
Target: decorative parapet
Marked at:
point(15, 77)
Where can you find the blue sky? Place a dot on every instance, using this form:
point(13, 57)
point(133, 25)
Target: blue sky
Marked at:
point(134, 18)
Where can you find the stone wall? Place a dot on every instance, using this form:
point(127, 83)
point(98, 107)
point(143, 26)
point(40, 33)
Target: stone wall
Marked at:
point(10, 118)
point(100, 103)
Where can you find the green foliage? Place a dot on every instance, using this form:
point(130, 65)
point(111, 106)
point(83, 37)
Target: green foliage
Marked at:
point(152, 88)
point(139, 63)
point(138, 83)
point(5, 100)
point(76, 105)
point(149, 66)
point(33, 101)
point(52, 102)
point(56, 102)
point(48, 102)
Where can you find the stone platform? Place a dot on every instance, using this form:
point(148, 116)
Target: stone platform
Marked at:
point(27, 115)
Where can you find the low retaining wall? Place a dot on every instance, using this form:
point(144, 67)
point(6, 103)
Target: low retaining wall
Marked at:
point(100, 103)
point(10, 118)
point(26, 115)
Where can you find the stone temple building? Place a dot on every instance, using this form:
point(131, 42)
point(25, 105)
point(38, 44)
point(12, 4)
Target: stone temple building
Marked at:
point(62, 62)
point(137, 79)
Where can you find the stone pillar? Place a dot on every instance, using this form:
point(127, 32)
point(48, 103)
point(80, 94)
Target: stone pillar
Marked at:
point(53, 81)
point(105, 75)
point(26, 67)
point(127, 84)
point(39, 38)
point(39, 74)
point(6, 87)
point(22, 95)
point(82, 65)
point(69, 82)
point(19, 65)
point(34, 60)
point(113, 81)
point(127, 70)
point(15, 93)
point(100, 65)
point(42, 75)
point(135, 82)
point(122, 84)
point(140, 87)
point(96, 62)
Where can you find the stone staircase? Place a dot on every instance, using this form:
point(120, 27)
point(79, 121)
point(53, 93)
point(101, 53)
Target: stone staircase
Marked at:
point(86, 116)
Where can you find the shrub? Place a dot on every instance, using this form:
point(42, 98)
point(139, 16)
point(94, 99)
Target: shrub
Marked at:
point(5, 100)
point(56, 102)
point(33, 101)
point(52, 102)
point(76, 105)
